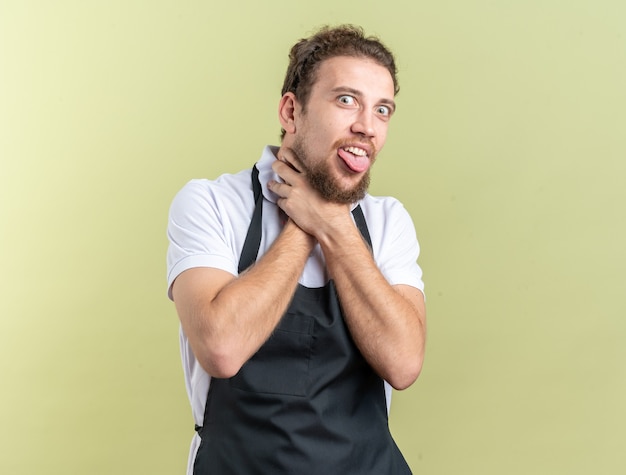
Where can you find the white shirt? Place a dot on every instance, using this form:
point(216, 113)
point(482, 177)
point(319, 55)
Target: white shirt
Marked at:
point(207, 227)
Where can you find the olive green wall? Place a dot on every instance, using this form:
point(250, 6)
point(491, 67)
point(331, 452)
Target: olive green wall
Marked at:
point(508, 148)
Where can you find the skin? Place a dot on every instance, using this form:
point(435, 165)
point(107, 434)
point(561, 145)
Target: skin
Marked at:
point(228, 318)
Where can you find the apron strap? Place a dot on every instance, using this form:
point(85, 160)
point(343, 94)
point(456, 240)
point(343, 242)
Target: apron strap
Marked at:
point(253, 238)
point(359, 219)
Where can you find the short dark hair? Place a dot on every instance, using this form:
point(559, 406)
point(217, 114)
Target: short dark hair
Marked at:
point(307, 55)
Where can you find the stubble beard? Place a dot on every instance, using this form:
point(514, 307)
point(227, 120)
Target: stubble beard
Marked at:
point(320, 178)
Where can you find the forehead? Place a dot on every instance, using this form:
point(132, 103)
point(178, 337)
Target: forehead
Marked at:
point(362, 74)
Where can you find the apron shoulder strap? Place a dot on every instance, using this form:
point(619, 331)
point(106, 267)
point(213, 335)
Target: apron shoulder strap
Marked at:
point(253, 238)
point(359, 219)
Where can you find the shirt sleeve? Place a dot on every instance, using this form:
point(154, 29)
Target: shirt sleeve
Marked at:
point(399, 249)
point(196, 233)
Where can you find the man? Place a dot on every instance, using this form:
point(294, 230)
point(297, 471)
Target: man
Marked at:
point(299, 295)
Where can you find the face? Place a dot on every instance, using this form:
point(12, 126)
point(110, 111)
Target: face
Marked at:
point(343, 126)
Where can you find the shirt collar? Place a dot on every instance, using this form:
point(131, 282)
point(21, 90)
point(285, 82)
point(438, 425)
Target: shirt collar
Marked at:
point(264, 165)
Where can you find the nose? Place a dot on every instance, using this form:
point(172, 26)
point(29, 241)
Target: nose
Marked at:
point(364, 124)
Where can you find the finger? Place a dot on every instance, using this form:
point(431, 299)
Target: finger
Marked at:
point(288, 156)
point(285, 171)
point(281, 189)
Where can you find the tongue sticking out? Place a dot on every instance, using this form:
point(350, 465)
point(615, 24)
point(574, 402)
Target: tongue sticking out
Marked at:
point(356, 163)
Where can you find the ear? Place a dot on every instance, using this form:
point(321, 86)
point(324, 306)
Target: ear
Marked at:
point(287, 112)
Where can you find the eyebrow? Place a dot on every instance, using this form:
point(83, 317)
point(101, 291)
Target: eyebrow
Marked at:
point(356, 92)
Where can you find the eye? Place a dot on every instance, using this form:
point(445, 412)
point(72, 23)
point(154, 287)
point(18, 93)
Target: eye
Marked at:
point(346, 100)
point(383, 110)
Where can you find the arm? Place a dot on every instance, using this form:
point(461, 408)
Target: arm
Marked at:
point(227, 318)
point(387, 322)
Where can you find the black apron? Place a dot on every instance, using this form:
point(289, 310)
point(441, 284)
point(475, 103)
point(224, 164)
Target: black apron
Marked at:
point(307, 403)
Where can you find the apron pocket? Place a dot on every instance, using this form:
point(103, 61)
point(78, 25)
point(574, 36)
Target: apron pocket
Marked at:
point(281, 366)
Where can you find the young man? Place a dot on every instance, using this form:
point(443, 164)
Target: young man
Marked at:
point(299, 295)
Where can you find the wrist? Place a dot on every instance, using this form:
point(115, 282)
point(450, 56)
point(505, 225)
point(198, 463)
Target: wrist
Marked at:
point(297, 236)
point(342, 242)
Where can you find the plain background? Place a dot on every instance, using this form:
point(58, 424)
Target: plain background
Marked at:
point(508, 149)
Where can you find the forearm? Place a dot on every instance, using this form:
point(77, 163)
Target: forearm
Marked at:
point(227, 328)
point(388, 325)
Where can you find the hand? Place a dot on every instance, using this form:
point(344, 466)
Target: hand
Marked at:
point(303, 204)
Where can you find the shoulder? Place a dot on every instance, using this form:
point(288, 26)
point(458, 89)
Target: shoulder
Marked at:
point(204, 195)
point(385, 211)
point(238, 184)
point(389, 224)
point(391, 227)
point(394, 241)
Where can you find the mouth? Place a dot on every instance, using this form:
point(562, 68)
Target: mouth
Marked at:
point(356, 158)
